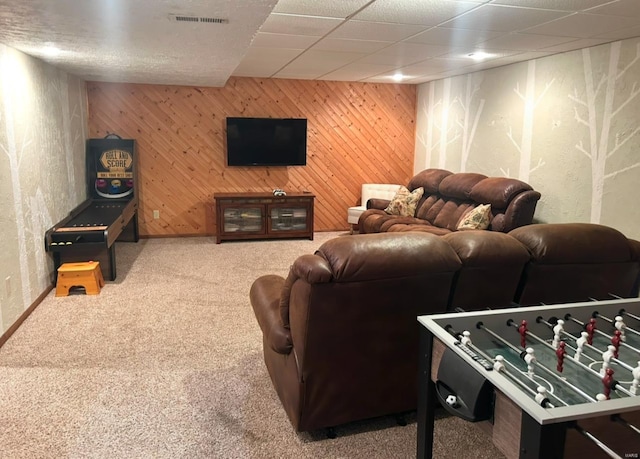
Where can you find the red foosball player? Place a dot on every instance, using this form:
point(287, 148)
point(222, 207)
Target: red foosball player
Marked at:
point(616, 340)
point(591, 329)
point(522, 329)
point(608, 382)
point(561, 352)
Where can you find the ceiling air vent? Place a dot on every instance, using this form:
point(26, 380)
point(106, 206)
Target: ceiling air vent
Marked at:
point(180, 18)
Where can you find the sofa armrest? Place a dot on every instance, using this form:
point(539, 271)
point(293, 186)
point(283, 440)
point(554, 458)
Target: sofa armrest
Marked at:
point(265, 299)
point(312, 268)
point(377, 203)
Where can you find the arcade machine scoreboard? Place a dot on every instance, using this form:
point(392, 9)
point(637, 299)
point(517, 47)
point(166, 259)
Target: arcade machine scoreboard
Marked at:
point(109, 214)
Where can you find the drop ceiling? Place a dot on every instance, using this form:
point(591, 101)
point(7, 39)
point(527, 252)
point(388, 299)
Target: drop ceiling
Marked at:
point(204, 42)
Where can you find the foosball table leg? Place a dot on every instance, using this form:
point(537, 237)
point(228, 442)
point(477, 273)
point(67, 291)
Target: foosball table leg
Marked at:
point(538, 441)
point(426, 396)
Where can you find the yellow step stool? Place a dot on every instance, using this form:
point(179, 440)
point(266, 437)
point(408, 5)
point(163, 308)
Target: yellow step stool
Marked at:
point(83, 274)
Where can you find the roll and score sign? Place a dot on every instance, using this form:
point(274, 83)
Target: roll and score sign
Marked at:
point(116, 164)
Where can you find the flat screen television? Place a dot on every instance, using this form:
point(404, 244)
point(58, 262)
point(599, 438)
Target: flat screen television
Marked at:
point(266, 141)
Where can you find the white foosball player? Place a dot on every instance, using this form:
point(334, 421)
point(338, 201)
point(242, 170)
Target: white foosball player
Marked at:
point(557, 331)
point(498, 363)
point(636, 380)
point(466, 338)
point(580, 342)
point(606, 359)
point(530, 360)
point(620, 326)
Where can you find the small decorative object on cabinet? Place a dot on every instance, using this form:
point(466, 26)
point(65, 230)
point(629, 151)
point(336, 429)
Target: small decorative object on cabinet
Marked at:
point(263, 216)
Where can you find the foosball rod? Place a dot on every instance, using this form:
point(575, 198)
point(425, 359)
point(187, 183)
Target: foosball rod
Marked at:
point(597, 442)
point(577, 390)
point(623, 312)
point(588, 346)
point(582, 324)
point(516, 380)
point(612, 322)
point(618, 418)
point(617, 385)
point(479, 351)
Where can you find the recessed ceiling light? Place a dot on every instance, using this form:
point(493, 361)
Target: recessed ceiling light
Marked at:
point(398, 77)
point(50, 50)
point(479, 55)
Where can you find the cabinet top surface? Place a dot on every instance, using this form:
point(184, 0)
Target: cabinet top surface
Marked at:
point(260, 194)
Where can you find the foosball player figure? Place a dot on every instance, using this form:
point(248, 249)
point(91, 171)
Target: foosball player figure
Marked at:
point(530, 360)
point(580, 344)
point(522, 329)
point(635, 385)
point(606, 359)
point(560, 353)
point(620, 326)
point(591, 329)
point(608, 382)
point(616, 339)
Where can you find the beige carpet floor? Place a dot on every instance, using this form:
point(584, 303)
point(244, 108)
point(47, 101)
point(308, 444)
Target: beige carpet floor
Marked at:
point(166, 362)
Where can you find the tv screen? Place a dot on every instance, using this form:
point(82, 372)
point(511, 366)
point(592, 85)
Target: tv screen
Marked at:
point(266, 142)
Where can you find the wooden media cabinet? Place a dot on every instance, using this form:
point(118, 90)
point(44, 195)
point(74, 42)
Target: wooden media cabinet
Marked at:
point(263, 216)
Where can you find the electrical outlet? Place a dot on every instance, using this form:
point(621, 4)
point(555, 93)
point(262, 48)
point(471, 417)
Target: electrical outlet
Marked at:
point(7, 285)
point(156, 214)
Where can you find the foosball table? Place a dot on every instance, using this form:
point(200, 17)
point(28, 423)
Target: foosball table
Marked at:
point(559, 381)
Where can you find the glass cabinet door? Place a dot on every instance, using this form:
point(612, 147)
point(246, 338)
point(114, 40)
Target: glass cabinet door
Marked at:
point(243, 219)
point(288, 219)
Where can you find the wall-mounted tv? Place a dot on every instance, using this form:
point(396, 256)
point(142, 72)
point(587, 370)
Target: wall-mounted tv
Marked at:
point(266, 141)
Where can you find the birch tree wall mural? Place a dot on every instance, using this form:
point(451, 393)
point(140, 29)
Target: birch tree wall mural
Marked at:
point(445, 129)
point(567, 124)
point(525, 145)
point(599, 107)
point(467, 125)
point(43, 122)
point(12, 151)
point(424, 127)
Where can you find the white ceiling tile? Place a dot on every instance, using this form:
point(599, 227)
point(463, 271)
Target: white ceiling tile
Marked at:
point(365, 30)
point(453, 37)
point(576, 44)
point(464, 53)
point(434, 66)
point(562, 5)
point(503, 18)
point(582, 25)
point(358, 71)
point(321, 62)
point(621, 34)
point(626, 8)
point(299, 25)
point(280, 40)
point(327, 8)
point(265, 61)
point(525, 41)
point(404, 53)
point(348, 45)
point(429, 13)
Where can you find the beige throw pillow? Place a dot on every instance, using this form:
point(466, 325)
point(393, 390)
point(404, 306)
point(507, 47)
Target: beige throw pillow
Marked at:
point(404, 203)
point(476, 219)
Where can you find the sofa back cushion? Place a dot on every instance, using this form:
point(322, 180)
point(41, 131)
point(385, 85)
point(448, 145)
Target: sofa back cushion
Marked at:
point(576, 262)
point(448, 196)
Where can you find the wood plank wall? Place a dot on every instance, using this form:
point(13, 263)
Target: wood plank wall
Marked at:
point(357, 133)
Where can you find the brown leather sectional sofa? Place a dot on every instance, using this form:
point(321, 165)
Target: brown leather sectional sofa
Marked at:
point(340, 334)
point(448, 196)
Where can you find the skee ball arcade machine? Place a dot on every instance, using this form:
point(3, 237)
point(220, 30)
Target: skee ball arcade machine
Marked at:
point(109, 214)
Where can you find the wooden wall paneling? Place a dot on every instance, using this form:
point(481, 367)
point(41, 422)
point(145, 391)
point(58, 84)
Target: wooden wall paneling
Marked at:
point(357, 133)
